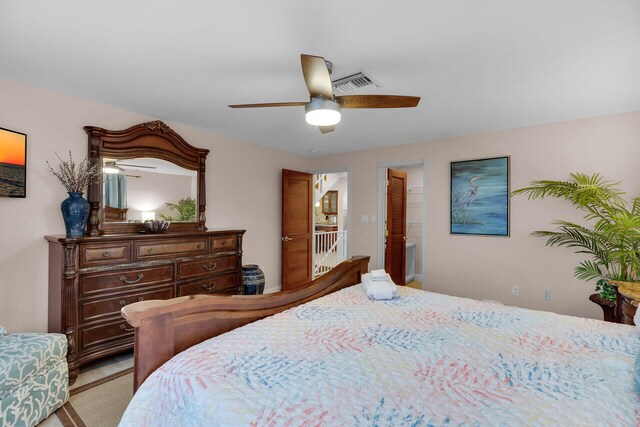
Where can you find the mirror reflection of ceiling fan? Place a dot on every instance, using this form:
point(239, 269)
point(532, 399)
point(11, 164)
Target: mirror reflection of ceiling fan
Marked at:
point(113, 166)
point(323, 110)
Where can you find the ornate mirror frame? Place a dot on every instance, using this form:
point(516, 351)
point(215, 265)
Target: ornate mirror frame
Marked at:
point(151, 139)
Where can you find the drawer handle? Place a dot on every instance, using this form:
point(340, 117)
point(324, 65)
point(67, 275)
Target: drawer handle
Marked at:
point(199, 246)
point(206, 267)
point(123, 302)
point(149, 250)
point(131, 282)
point(208, 288)
point(124, 328)
point(106, 254)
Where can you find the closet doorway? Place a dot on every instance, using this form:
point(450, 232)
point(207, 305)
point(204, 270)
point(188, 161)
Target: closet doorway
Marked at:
point(402, 236)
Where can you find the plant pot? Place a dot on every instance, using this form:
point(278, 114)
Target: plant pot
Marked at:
point(608, 308)
point(252, 280)
point(75, 211)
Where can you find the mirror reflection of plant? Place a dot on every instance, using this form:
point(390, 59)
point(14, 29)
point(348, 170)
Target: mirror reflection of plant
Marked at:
point(185, 209)
point(611, 238)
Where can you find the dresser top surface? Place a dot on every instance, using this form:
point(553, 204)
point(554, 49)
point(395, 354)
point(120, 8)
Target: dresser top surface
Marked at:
point(61, 238)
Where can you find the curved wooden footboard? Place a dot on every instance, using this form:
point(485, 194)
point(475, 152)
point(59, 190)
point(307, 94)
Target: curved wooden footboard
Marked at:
point(164, 328)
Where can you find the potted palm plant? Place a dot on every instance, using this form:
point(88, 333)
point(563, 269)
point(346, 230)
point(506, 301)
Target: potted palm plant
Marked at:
point(185, 210)
point(610, 234)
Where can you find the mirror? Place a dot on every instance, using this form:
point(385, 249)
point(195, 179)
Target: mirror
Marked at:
point(142, 188)
point(148, 172)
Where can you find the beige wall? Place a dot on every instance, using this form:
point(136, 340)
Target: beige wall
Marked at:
point(243, 190)
point(487, 267)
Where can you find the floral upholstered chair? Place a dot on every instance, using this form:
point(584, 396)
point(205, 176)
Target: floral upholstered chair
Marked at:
point(34, 378)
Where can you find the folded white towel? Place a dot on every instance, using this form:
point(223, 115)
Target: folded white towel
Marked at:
point(377, 274)
point(385, 278)
point(379, 289)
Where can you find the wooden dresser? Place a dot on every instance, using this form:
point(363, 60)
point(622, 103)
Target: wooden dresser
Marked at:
point(92, 278)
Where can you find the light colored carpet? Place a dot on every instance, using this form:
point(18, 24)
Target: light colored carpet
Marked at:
point(98, 404)
point(106, 382)
point(104, 405)
point(415, 284)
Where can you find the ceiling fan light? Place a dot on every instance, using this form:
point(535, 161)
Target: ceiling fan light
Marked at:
point(322, 112)
point(110, 167)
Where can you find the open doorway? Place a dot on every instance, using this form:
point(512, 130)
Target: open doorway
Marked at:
point(402, 248)
point(330, 220)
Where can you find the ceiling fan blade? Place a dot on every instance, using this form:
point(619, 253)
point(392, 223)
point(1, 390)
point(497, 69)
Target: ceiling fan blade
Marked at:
point(136, 166)
point(377, 101)
point(316, 76)
point(326, 129)
point(270, 104)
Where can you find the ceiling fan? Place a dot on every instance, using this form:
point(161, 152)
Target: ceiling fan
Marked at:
point(114, 167)
point(323, 110)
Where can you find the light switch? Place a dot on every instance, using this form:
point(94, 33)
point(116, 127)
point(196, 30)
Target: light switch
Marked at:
point(373, 218)
point(364, 218)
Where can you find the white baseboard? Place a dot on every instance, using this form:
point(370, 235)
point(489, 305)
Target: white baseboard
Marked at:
point(271, 290)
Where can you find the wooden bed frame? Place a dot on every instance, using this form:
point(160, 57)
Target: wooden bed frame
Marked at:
point(164, 328)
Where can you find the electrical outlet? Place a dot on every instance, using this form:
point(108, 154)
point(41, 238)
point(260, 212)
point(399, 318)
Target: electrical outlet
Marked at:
point(515, 290)
point(547, 295)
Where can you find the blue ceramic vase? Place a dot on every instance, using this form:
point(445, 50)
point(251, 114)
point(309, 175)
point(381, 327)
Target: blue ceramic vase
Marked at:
point(75, 211)
point(252, 280)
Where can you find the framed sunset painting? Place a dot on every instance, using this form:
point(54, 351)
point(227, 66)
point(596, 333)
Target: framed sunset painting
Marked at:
point(480, 197)
point(13, 163)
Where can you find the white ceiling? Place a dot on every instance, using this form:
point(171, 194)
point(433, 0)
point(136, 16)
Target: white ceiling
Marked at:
point(478, 65)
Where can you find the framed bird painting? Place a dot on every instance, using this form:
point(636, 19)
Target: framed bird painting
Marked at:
point(480, 197)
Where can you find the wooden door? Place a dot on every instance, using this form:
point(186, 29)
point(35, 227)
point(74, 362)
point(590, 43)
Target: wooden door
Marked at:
point(395, 257)
point(297, 228)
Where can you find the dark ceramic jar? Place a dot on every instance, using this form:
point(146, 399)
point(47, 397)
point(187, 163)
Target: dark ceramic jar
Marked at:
point(252, 279)
point(75, 211)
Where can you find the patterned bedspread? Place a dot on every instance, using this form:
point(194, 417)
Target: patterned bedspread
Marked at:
point(423, 359)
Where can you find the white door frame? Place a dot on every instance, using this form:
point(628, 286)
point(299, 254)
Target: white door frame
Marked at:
point(382, 212)
point(346, 169)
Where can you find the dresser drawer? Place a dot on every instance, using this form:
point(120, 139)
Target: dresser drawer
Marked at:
point(105, 334)
point(116, 253)
point(225, 284)
point(170, 248)
point(101, 308)
point(206, 267)
point(223, 244)
point(124, 280)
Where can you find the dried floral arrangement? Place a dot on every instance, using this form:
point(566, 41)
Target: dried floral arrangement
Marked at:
point(75, 178)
